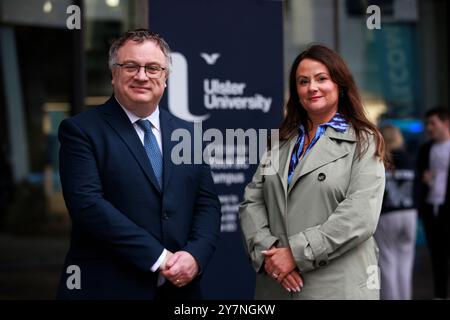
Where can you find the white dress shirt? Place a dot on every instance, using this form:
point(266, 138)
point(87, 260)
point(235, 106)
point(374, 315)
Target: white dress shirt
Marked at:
point(156, 129)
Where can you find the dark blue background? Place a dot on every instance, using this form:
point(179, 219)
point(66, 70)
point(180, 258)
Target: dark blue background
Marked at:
point(249, 36)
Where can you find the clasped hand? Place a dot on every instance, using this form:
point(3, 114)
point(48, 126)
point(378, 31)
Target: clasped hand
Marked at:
point(279, 263)
point(179, 268)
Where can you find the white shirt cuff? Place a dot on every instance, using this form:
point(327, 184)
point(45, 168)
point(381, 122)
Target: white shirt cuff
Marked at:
point(159, 262)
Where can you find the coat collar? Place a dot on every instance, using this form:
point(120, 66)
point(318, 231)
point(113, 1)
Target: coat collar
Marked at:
point(347, 135)
point(327, 149)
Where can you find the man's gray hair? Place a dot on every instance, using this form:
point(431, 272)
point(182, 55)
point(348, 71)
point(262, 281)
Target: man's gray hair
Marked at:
point(138, 35)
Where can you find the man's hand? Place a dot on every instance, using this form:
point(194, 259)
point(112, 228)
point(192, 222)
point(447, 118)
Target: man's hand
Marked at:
point(169, 254)
point(278, 262)
point(179, 268)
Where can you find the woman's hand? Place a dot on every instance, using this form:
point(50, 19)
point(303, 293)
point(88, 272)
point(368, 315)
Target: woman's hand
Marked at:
point(278, 262)
point(293, 281)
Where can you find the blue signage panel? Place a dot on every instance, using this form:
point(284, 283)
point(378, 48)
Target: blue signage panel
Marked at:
point(227, 74)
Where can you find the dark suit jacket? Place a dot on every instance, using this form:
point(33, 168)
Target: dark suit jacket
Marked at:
point(421, 188)
point(121, 220)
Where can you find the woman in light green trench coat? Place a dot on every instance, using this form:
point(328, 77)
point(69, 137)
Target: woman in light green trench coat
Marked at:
point(310, 211)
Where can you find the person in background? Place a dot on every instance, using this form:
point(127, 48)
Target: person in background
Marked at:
point(308, 226)
point(433, 194)
point(396, 230)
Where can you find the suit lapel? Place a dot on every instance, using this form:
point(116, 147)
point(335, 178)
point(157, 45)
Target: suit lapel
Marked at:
point(167, 145)
point(327, 149)
point(120, 123)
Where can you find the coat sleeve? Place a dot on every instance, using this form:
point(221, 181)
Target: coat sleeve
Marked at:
point(90, 211)
point(254, 220)
point(352, 222)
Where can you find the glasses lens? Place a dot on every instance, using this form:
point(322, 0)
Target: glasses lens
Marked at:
point(131, 68)
point(153, 71)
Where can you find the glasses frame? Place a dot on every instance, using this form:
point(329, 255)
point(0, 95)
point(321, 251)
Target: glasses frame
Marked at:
point(149, 75)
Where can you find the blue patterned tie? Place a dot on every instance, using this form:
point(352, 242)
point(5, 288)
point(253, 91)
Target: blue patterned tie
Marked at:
point(152, 149)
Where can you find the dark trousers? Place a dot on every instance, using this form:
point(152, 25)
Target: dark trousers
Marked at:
point(169, 292)
point(437, 235)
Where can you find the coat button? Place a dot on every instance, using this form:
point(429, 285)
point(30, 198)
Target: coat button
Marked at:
point(165, 216)
point(321, 176)
point(322, 263)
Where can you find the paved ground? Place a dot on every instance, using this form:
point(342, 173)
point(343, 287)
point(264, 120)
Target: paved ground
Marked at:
point(30, 266)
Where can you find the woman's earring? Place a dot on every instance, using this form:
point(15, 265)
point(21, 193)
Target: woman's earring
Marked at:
point(341, 93)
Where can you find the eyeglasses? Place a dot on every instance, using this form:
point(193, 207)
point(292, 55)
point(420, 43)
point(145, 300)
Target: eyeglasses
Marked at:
point(152, 71)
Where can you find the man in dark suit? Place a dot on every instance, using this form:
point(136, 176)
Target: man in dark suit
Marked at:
point(433, 195)
point(142, 227)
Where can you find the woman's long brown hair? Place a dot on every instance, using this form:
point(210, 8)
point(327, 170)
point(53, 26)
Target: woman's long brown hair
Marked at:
point(350, 104)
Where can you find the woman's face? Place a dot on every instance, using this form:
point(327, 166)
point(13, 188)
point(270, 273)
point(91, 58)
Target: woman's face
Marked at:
point(318, 93)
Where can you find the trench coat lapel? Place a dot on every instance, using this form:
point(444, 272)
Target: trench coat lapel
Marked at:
point(327, 149)
point(284, 160)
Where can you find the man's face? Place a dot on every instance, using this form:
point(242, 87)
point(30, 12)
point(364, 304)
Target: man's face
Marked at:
point(436, 128)
point(137, 92)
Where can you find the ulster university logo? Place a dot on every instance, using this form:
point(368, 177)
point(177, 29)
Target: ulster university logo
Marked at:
point(218, 94)
point(178, 90)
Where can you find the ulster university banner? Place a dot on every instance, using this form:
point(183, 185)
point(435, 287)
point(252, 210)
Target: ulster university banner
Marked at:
point(227, 76)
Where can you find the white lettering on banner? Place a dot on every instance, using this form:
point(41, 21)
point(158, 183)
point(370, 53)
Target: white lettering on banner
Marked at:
point(230, 208)
point(257, 102)
point(217, 96)
point(217, 165)
point(228, 178)
point(215, 86)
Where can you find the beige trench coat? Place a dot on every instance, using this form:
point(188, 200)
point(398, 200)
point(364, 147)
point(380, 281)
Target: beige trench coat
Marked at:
point(327, 216)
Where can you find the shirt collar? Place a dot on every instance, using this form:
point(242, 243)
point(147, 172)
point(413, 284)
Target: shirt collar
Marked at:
point(338, 123)
point(153, 118)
